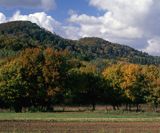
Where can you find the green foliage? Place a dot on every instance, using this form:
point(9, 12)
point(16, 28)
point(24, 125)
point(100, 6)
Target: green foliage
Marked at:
point(35, 75)
point(153, 76)
point(13, 89)
point(136, 83)
point(115, 77)
point(86, 87)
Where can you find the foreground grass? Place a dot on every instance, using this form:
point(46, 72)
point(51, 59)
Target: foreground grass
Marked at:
point(83, 116)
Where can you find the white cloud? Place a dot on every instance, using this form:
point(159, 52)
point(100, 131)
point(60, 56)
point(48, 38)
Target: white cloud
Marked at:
point(44, 4)
point(153, 46)
point(48, 4)
point(2, 18)
point(72, 12)
point(71, 32)
point(105, 26)
point(40, 18)
point(84, 19)
point(124, 10)
point(119, 20)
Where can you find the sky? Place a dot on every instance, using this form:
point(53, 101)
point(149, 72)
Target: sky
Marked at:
point(135, 23)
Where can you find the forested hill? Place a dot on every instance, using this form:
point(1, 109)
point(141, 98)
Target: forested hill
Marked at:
point(18, 35)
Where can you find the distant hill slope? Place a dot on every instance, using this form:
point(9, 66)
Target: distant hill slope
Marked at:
point(18, 35)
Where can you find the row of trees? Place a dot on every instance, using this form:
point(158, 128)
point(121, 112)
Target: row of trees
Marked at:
point(41, 78)
point(135, 84)
point(33, 78)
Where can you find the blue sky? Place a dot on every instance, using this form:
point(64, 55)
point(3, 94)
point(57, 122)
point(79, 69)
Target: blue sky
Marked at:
point(60, 12)
point(134, 23)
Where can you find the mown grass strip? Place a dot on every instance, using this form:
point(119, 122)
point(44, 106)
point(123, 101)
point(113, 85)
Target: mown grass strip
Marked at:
point(80, 117)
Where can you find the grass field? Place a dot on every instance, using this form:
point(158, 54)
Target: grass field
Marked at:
point(83, 116)
point(80, 122)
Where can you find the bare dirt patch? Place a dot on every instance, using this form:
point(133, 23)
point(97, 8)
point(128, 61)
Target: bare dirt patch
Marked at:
point(78, 127)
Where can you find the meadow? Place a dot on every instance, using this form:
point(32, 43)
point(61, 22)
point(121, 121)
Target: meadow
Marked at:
point(80, 122)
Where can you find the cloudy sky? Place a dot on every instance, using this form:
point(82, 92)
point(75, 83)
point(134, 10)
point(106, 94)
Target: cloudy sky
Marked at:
point(131, 22)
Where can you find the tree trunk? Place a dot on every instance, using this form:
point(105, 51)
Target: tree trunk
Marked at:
point(93, 106)
point(49, 108)
point(117, 107)
point(93, 99)
point(126, 107)
point(114, 108)
point(130, 108)
point(137, 105)
point(18, 108)
point(155, 107)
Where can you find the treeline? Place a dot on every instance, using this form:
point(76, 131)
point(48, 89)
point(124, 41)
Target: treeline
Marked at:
point(42, 77)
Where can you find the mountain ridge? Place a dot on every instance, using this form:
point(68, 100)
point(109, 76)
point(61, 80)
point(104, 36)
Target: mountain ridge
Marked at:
point(18, 35)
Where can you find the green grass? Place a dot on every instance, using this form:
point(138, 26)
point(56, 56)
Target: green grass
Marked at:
point(82, 116)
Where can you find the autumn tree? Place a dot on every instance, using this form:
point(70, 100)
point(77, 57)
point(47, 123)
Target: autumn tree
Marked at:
point(36, 75)
point(115, 77)
point(13, 89)
point(86, 85)
point(55, 69)
point(153, 76)
point(135, 83)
